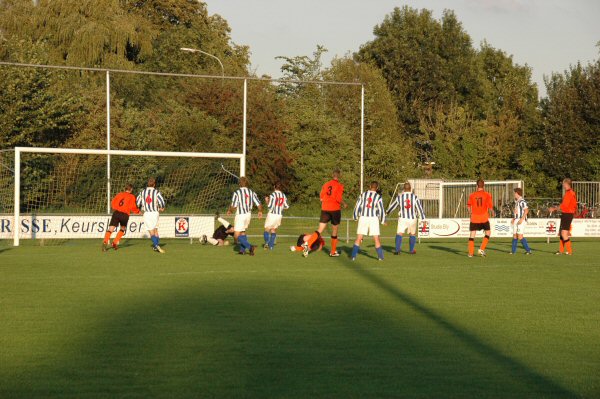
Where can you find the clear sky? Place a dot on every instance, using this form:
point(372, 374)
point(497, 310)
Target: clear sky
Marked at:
point(548, 35)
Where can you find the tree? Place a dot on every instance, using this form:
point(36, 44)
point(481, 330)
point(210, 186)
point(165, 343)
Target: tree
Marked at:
point(570, 135)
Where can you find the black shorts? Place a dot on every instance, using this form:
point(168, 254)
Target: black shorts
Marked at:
point(335, 217)
point(565, 222)
point(479, 226)
point(119, 218)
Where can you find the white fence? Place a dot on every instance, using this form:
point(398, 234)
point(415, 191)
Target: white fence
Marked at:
point(448, 199)
point(588, 197)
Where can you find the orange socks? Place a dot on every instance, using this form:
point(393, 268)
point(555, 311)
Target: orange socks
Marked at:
point(471, 246)
point(484, 243)
point(107, 237)
point(334, 241)
point(569, 249)
point(120, 235)
point(561, 246)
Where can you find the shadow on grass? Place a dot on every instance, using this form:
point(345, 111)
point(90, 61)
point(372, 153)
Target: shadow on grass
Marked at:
point(222, 339)
point(448, 249)
point(519, 371)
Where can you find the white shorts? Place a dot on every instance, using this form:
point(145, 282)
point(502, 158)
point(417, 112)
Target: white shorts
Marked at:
point(518, 229)
point(151, 220)
point(407, 226)
point(273, 221)
point(368, 226)
point(241, 222)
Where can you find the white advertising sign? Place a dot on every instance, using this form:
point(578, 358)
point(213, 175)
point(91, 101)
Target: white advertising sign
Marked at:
point(459, 228)
point(79, 226)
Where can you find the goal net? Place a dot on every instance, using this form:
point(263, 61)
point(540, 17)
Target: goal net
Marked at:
point(447, 199)
point(67, 195)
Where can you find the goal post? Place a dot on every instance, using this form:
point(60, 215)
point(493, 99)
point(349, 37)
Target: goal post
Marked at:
point(68, 181)
point(448, 199)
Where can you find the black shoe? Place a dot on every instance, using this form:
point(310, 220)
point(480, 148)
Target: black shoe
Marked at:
point(396, 252)
point(252, 248)
point(241, 253)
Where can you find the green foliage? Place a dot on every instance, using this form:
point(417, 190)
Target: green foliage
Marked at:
point(571, 123)
point(430, 96)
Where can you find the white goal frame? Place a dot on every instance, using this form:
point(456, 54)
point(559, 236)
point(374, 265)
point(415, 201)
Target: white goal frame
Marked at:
point(44, 150)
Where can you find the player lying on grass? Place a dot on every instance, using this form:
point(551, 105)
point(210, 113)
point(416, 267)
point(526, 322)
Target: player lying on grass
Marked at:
point(308, 243)
point(369, 211)
point(410, 209)
point(242, 203)
point(480, 206)
point(219, 237)
point(568, 207)
point(519, 222)
point(276, 203)
point(151, 201)
point(123, 204)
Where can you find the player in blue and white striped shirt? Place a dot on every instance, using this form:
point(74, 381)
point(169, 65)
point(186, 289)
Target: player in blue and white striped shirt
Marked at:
point(276, 202)
point(410, 210)
point(151, 202)
point(369, 211)
point(519, 222)
point(242, 203)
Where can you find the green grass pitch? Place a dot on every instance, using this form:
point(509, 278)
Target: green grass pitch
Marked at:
point(202, 321)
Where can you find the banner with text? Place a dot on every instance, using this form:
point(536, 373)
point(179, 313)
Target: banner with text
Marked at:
point(78, 226)
point(459, 228)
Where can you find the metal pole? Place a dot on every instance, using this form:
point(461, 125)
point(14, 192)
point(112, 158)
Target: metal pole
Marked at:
point(441, 201)
point(108, 194)
point(362, 137)
point(17, 199)
point(244, 131)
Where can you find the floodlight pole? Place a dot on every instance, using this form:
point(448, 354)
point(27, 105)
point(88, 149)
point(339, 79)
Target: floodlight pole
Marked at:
point(195, 50)
point(244, 130)
point(108, 189)
point(362, 137)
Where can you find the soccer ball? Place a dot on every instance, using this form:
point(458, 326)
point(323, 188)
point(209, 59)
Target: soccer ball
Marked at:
point(203, 240)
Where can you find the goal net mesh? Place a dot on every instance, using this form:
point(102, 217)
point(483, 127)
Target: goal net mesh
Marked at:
point(77, 184)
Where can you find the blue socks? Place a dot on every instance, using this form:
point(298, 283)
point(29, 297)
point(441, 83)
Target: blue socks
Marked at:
point(244, 244)
point(524, 242)
point(266, 237)
point(525, 245)
point(355, 250)
point(272, 240)
point(155, 240)
point(412, 241)
point(398, 242)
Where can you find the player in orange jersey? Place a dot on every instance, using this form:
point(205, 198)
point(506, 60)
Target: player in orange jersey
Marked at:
point(568, 207)
point(308, 243)
point(331, 208)
point(123, 204)
point(480, 206)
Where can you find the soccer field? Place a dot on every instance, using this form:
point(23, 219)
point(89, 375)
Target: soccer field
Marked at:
point(202, 321)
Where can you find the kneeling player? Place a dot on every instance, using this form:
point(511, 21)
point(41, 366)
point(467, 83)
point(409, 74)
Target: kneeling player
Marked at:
point(123, 204)
point(369, 211)
point(219, 237)
point(308, 243)
point(519, 222)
